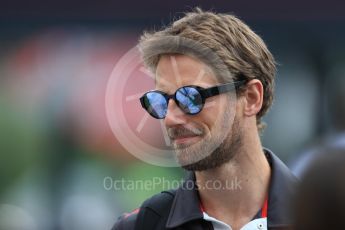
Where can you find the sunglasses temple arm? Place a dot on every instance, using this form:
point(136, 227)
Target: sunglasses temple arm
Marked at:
point(213, 91)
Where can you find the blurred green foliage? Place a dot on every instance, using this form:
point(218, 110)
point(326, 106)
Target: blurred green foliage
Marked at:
point(20, 143)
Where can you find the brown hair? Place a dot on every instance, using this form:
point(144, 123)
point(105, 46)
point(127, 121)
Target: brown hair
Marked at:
point(241, 51)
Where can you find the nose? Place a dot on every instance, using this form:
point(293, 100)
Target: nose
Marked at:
point(174, 116)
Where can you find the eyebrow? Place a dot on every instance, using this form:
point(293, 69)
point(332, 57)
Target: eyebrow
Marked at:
point(163, 89)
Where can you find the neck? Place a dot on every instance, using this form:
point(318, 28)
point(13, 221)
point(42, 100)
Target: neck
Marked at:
point(244, 182)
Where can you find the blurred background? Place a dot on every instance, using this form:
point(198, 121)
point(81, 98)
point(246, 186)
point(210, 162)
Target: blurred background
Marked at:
point(57, 151)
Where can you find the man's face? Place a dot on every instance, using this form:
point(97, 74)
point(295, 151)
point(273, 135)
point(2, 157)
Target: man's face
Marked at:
point(205, 140)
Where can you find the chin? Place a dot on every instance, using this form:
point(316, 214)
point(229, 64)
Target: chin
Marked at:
point(185, 156)
point(190, 163)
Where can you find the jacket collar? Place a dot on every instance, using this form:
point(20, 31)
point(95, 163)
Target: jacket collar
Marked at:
point(282, 188)
point(186, 204)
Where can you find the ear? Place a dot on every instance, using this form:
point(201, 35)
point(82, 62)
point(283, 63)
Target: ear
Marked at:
point(253, 97)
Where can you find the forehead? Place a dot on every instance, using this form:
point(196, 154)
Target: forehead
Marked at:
point(176, 70)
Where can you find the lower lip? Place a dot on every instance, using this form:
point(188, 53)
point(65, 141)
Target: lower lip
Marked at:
point(186, 140)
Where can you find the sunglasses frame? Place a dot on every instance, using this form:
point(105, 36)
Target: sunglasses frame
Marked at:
point(204, 93)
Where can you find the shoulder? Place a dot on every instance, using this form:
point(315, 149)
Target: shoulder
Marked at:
point(126, 220)
point(157, 205)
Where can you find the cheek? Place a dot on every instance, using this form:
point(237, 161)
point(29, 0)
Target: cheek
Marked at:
point(212, 113)
point(215, 106)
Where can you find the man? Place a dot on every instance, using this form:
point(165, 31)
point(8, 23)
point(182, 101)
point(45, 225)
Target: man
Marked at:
point(214, 82)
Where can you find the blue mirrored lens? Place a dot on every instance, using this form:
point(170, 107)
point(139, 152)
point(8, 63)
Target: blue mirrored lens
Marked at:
point(189, 100)
point(156, 104)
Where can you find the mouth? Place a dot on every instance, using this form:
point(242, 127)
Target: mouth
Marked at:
point(185, 135)
point(186, 139)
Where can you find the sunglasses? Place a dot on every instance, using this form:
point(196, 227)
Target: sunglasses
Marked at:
point(190, 99)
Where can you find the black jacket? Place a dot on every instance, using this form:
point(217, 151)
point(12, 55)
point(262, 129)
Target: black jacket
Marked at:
point(180, 209)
